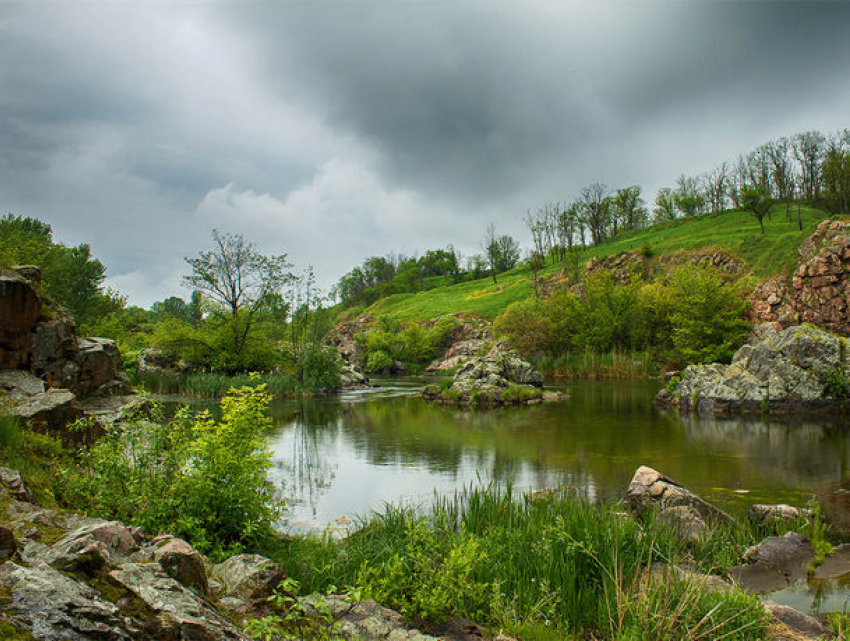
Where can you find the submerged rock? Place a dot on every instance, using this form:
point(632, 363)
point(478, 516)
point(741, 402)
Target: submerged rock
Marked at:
point(801, 368)
point(774, 564)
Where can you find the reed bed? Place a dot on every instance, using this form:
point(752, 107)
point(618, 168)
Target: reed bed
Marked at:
point(211, 385)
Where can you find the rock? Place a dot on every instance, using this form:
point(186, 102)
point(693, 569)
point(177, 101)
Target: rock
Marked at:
point(183, 563)
point(649, 489)
point(783, 371)
point(20, 305)
point(15, 485)
point(49, 411)
point(154, 360)
point(90, 548)
point(8, 543)
point(55, 350)
point(352, 378)
point(773, 564)
point(99, 361)
point(499, 370)
point(685, 522)
point(801, 624)
point(762, 515)
point(368, 620)
point(182, 614)
point(661, 572)
point(249, 577)
point(835, 565)
point(54, 606)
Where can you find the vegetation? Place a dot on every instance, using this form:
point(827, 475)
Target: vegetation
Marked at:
point(415, 346)
point(191, 476)
point(549, 567)
point(70, 275)
point(691, 316)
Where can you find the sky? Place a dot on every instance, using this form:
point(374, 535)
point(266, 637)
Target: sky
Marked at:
point(334, 131)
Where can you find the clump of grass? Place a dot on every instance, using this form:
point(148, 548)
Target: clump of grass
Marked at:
point(210, 385)
point(10, 427)
point(591, 365)
point(520, 394)
point(542, 568)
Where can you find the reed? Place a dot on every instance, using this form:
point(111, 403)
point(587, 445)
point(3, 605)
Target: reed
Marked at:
point(616, 364)
point(211, 385)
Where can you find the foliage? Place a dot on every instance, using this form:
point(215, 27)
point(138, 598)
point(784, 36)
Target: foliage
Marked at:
point(675, 608)
point(757, 201)
point(294, 617)
point(693, 316)
point(212, 385)
point(70, 275)
point(415, 345)
point(321, 367)
point(191, 476)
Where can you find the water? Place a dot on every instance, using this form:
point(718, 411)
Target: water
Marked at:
point(339, 457)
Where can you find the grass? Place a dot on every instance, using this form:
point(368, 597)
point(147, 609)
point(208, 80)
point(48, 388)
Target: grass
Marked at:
point(590, 365)
point(554, 567)
point(206, 385)
point(733, 231)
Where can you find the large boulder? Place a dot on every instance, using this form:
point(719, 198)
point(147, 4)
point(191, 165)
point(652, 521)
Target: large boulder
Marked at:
point(183, 563)
point(651, 490)
point(99, 361)
point(498, 370)
point(774, 564)
point(794, 369)
point(20, 305)
point(249, 577)
point(55, 349)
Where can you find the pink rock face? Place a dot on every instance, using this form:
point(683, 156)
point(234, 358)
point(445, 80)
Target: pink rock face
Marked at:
point(820, 287)
point(183, 563)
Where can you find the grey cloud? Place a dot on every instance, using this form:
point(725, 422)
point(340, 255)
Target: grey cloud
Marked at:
point(352, 129)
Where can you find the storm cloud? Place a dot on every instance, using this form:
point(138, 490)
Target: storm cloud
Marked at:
point(334, 130)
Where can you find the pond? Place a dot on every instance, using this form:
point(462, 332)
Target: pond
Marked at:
point(338, 457)
point(341, 456)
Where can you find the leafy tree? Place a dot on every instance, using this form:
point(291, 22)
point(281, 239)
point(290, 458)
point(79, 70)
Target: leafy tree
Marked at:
point(629, 210)
point(240, 280)
point(688, 196)
point(756, 201)
point(70, 275)
point(665, 205)
point(836, 177)
point(595, 206)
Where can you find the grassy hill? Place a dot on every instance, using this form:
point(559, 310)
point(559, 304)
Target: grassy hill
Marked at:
point(733, 231)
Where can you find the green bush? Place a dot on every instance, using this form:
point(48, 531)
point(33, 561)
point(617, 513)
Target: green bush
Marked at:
point(414, 346)
point(321, 366)
point(192, 476)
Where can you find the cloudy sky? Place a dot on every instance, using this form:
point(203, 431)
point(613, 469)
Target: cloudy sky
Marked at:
point(333, 131)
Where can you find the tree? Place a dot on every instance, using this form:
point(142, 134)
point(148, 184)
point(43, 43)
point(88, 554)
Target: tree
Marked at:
point(239, 279)
point(756, 201)
point(688, 196)
point(665, 206)
point(715, 186)
point(836, 178)
point(629, 210)
point(808, 149)
point(596, 211)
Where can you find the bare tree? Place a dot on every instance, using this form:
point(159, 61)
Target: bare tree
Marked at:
point(778, 153)
point(665, 206)
point(715, 185)
point(688, 196)
point(809, 151)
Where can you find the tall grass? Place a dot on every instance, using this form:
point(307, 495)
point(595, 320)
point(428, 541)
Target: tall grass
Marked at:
point(208, 385)
point(616, 364)
point(542, 568)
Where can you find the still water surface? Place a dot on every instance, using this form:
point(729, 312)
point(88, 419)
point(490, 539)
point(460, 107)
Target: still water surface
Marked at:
point(342, 456)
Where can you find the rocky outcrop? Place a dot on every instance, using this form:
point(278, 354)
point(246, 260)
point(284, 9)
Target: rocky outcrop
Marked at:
point(636, 264)
point(471, 338)
point(819, 289)
point(352, 378)
point(342, 337)
point(20, 306)
point(501, 378)
point(801, 368)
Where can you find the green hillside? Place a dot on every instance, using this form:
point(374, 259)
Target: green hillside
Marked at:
point(736, 232)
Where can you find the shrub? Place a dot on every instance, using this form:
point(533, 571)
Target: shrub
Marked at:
point(192, 476)
point(321, 366)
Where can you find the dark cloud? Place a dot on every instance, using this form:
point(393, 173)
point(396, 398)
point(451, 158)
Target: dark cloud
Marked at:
point(335, 130)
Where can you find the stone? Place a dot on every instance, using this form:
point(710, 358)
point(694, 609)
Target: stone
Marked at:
point(100, 363)
point(249, 577)
point(8, 543)
point(801, 624)
point(55, 350)
point(183, 613)
point(649, 489)
point(20, 305)
point(369, 620)
point(14, 485)
point(352, 378)
point(183, 563)
point(773, 564)
point(780, 371)
point(761, 515)
point(54, 606)
point(685, 522)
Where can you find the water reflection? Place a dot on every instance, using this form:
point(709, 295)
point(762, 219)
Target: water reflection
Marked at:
point(348, 454)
